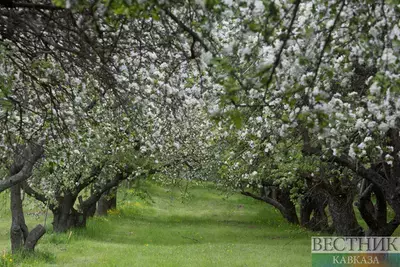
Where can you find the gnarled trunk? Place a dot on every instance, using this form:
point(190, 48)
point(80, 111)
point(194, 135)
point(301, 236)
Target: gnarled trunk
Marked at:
point(340, 195)
point(384, 176)
point(312, 211)
point(33, 237)
point(21, 238)
point(91, 211)
point(63, 222)
point(19, 231)
point(107, 202)
point(65, 216)
point(375, 215)
point(25, 158)
point(289, 212)
point(343, 217)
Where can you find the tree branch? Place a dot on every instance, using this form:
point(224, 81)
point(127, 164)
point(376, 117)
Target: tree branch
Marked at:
point(98, 193)
point(278, 56)
point(31, 155)
point(327, 41)
point(33, 193)
point(345, 161)
point(268, 200)
point(192, 33)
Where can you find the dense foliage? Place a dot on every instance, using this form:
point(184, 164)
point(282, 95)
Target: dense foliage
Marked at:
point(294, 103)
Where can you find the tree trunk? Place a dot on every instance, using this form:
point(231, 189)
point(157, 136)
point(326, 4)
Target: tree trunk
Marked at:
point(65, 216)
point(289, 213)
point(21, 238)
point(34, 237)
point(19, 233)
point(376, 215)
point(343, 217)
point(19, 230)
point(63, 222)
point(395, 222)
point(90, 210)
point(312, 211)
point(107, 202)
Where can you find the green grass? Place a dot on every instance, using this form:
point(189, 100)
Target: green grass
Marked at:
point(206, 230)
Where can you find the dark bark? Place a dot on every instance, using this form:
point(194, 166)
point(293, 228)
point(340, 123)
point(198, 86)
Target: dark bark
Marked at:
point(65, 216)
point(107, 201)
point(23, 166)
point(385, 186)
point(21, 238)
point(102, 206)
point(312, 211)
point(339, 194)
point(96, 195)
point(283, 197)
point(63, 222)
point(383, 176)
point(343, 217)
point(375, 215)
point(33, 237)
point(91, 210)
point(19, 231)
point(113, 198)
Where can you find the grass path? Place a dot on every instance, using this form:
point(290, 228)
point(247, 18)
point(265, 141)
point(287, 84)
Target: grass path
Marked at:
point(206, 230)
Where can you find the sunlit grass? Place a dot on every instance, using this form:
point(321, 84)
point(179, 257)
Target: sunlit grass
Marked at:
point(207, 229)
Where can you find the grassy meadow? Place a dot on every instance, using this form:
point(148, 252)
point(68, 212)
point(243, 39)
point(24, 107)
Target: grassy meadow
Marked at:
point(205, 228)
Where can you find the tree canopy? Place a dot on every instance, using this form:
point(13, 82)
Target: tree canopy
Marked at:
point(284, 101)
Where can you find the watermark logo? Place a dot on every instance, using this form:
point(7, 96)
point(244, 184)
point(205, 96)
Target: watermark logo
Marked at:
point(355, 251)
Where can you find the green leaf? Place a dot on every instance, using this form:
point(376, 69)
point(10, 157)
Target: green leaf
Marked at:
point(6, 105)
point(254, 27)
point(236, 118)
